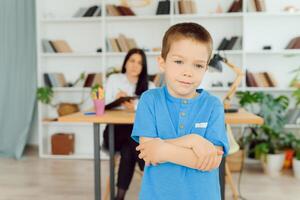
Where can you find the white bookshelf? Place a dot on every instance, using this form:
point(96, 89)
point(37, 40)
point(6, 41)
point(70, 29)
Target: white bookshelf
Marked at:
point(54, 21)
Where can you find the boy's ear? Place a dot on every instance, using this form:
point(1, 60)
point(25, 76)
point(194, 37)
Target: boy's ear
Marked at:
point(161, 63)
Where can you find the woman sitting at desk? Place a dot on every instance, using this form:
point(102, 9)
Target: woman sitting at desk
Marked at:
point(133, 81)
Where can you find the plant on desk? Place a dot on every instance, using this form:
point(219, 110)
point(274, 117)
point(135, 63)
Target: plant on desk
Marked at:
point(264, 142)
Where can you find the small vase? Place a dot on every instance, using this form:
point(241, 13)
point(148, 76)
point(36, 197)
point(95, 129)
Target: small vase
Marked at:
point(99, 106)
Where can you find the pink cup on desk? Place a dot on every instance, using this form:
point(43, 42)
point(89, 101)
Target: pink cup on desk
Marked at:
point(99, 106)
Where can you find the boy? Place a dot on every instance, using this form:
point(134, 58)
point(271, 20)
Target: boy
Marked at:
point(180, 128)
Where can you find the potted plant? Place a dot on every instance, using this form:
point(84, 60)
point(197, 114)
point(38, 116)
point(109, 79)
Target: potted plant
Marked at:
point(263, 142)
point(45, 95)
point(296, 160)
point(270, 150)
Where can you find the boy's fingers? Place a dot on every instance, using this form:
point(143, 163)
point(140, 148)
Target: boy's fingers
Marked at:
point(220, 152)
point(141, 155)
point(140, 147)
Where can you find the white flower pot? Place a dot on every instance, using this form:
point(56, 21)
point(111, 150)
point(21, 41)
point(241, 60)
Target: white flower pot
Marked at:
point(296, 168)
point(274, 164)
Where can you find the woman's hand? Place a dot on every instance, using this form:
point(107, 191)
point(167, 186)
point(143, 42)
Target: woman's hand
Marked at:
point(129, 105)
point(121, 94)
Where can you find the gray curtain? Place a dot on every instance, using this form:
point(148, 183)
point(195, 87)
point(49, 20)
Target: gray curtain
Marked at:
point(17, 74)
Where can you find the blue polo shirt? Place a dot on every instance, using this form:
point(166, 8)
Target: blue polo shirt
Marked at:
point(161, 115)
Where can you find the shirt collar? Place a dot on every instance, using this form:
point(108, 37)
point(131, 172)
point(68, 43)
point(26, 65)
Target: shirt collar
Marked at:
point(182, 100)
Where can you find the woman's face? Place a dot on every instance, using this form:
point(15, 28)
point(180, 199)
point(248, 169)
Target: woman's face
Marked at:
point(134, 65)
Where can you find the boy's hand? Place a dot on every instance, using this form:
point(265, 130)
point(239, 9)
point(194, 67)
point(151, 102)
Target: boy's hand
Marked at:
point(151, 151)
point(209, 157)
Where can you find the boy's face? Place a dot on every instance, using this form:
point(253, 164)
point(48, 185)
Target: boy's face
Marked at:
point(184, 67)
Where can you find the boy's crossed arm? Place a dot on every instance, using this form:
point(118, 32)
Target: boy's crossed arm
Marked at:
point(190, 150)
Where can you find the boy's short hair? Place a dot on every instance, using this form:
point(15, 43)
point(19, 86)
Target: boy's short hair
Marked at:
point(186, 30)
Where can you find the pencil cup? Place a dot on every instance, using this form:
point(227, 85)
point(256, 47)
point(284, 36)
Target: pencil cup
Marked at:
point(99, 106)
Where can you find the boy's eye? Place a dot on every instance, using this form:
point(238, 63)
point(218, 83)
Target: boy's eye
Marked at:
point(199, 66)
point(178, 61)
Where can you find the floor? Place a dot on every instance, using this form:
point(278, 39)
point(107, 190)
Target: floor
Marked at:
point(45, 179)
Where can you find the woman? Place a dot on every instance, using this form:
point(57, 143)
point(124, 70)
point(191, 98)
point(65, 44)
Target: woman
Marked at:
point(133, 81)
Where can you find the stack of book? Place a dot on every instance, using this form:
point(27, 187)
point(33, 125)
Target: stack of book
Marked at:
point(114, 10)
point(56, 46)
point(293, 116)
point(55, 80)
point(260, 79)
point(120, 44)
point(236, 6)
point(235, 43)
point(93, 11)
point(93, 79)
point(185, 7)
point(163, 8)
point(294, 43)
point(58, 80)
point(256, 6)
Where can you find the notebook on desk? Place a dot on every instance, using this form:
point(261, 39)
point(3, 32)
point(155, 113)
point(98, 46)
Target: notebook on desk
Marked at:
point(119, 101)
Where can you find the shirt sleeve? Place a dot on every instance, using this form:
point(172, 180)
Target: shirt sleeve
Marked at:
point(144, 123)
point(110, 90)
point(216, 130)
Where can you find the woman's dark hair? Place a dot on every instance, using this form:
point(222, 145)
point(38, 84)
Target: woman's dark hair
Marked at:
point(142, 84)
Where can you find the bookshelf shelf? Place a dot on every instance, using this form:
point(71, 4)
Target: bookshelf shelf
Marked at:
point(138, 17)
point(271, 14)
point(201, 16)
point(72, 19)
point(71, 54)
point(71, 89)
point(86, 34)
point(150, 53)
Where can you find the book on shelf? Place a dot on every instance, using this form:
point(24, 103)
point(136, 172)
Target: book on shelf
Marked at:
point(235, 43)
point(93, 11)
point(260, 79)
point(236, 6)
point(47, 47)
point(256, 6)
point(117, 10)
point(163, 8)
point(185, 7)
point(93, 79)
point(294, 43)
point(57, 46)
point(121, 43)
point(55, 80)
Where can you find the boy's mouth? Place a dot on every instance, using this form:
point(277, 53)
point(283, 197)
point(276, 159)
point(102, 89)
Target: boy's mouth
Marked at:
point(185, 82)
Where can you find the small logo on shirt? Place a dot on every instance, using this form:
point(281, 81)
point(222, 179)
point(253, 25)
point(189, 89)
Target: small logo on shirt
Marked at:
point(201, 125)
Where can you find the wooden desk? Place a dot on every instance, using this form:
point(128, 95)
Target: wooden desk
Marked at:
point(123, 117)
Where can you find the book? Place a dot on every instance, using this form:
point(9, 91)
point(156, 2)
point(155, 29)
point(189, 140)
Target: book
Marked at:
point(47, 47)
point(80, 12)
point(47, 80)
point(223, 44)
point(97, 13)
point(122, 42)
point(89, 80)
point(294, 43)
point(113, 44)
point(112, 10)
point(236, 6)
point(238, 44)
point(231, 43)
point(61, 46)
point(163, 8)
point(125, 11)
point(250, 81)
point(90, 11)
point(119, 101)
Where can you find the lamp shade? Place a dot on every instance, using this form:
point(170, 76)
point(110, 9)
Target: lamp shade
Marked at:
point(216, 63)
